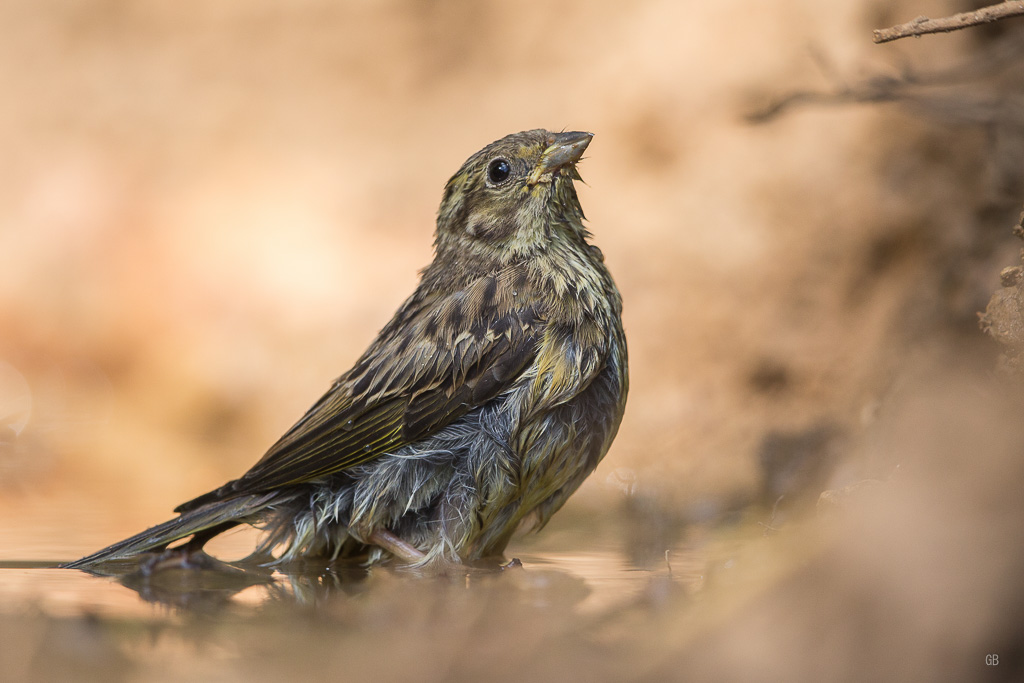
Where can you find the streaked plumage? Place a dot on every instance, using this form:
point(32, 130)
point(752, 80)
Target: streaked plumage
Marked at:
point(493, 392)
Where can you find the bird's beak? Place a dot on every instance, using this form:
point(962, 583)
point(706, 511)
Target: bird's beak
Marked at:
point(566, 149)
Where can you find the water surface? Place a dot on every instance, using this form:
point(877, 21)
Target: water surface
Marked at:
point(324, 621)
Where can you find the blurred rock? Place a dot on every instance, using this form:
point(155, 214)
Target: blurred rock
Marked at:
point(1003, 318)
point(796, 466)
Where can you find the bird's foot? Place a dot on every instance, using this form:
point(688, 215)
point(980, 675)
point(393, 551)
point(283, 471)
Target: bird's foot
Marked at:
point(404, 551)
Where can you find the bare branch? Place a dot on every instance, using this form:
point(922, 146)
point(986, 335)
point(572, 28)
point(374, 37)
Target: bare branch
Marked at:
point(923, 25)
point(972, 92)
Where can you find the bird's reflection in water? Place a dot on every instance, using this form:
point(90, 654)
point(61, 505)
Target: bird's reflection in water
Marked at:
point(202, 587)
point(208, 587)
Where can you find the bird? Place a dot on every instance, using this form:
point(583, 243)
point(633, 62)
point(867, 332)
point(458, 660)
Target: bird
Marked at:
point(493, 392)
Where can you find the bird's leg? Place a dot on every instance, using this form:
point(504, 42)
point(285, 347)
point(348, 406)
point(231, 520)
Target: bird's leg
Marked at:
point(396, 546)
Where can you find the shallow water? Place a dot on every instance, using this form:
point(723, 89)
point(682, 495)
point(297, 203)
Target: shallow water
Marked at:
point(598, 580)
point(468, 624)
point(596, 599)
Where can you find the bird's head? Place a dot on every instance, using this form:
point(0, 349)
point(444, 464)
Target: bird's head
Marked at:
point(513, 198)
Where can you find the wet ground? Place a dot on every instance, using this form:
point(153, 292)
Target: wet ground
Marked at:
point(601, 579)
point(915, 577)
point(344, 620)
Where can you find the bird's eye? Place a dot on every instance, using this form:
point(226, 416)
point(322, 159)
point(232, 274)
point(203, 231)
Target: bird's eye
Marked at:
point(498, 171)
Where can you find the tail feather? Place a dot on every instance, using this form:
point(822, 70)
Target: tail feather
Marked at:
point(186, 524)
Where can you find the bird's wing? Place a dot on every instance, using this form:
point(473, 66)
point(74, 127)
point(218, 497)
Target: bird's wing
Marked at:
point(439, 358)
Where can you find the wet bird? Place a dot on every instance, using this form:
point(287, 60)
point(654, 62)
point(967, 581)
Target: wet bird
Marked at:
point(494, 391)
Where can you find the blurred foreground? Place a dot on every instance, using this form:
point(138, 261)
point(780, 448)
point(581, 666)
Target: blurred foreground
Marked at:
point(206, 213)
point(914, 578)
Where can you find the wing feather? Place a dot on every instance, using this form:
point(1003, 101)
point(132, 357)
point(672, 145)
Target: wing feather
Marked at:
point(420, 375)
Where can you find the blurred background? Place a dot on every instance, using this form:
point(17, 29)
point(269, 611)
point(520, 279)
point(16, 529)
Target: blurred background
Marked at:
point(207, 210)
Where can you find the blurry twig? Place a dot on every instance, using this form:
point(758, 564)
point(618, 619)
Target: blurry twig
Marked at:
point(769, 527)
point(879, 89)
point(923, 25)
point(923, 91)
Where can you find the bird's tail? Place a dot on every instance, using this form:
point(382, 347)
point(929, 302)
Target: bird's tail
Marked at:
point(221, 513)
